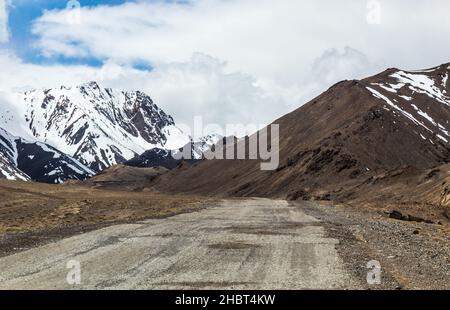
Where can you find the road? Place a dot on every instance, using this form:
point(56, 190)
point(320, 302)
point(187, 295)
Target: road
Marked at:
point(237, 244)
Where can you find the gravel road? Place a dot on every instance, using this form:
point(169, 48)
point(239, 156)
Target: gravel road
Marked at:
point(236, 244)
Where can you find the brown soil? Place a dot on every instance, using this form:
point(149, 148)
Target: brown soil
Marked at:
point(121, 177)
point(32, 213)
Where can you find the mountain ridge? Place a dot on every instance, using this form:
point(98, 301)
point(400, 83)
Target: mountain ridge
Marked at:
point(353, 131)
point(97, 127)
point(345, 137)
point(24, 160)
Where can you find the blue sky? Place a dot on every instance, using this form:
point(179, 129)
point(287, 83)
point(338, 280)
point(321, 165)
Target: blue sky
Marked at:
point(21, 16)
point(23, 13)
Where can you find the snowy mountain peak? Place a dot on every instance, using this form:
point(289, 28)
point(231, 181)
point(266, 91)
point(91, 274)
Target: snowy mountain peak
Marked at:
point(98, 126)
point(421, 96)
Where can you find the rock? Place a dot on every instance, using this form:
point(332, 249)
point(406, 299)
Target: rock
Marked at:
point(410, 218)
point(395, 215)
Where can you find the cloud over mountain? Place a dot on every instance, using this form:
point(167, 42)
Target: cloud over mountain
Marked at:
point(233, 57)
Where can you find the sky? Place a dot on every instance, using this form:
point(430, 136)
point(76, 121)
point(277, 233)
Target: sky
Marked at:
point(230, 61)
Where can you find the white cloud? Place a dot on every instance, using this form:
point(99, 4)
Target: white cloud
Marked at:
point(334, 65)
point(235, 60)
point(19, 76)
point(276, 39)
point(257, 59)
point(202, 86)
point(199, 86)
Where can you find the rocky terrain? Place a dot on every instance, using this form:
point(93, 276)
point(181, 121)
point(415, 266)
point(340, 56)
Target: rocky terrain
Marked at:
point(412, 255)
point(380, 132)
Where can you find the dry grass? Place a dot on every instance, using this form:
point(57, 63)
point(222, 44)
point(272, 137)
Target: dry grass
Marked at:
point(28, 207)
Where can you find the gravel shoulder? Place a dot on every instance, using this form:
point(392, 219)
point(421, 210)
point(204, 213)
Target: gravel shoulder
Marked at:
point(412, 255)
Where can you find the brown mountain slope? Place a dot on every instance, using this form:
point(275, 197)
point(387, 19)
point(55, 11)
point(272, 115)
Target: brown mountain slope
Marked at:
point(122, 177)
point(393, 123)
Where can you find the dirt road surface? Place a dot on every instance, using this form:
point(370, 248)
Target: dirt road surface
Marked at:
point(237, 244)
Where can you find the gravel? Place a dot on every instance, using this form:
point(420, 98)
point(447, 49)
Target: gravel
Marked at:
point(412, 255)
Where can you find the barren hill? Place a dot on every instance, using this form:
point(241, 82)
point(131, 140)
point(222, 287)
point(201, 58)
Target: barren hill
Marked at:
point(392, 124)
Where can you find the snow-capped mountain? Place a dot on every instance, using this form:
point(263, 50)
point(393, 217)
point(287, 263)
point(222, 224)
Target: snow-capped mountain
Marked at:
point(201, 145)
point(97, 126)
point(9, 171)
point(44, 163)
point(422, 97)
point(24, 160)
point(8, 158)
point(158, 157)
point(155, 157)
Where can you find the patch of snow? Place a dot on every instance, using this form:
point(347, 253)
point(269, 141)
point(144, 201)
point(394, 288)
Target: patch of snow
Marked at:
point(76, 169)
point(392, 88)
point(424, 71)
point(54, 172)
point(422, 84)
point(176, 138)
point(406, 97)
point(403, 112)
point(442, 138)
point(444, 80)
point(424, 114)
point(389, 89)
point(46, 149)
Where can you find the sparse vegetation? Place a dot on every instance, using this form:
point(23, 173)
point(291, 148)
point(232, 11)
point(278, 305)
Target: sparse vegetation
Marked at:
point(33, 208)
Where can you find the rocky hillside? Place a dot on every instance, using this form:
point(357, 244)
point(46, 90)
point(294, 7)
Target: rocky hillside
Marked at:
point(388, 124)
point(24, 160)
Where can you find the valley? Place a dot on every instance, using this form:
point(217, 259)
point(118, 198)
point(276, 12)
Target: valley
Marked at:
point(88, 173)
